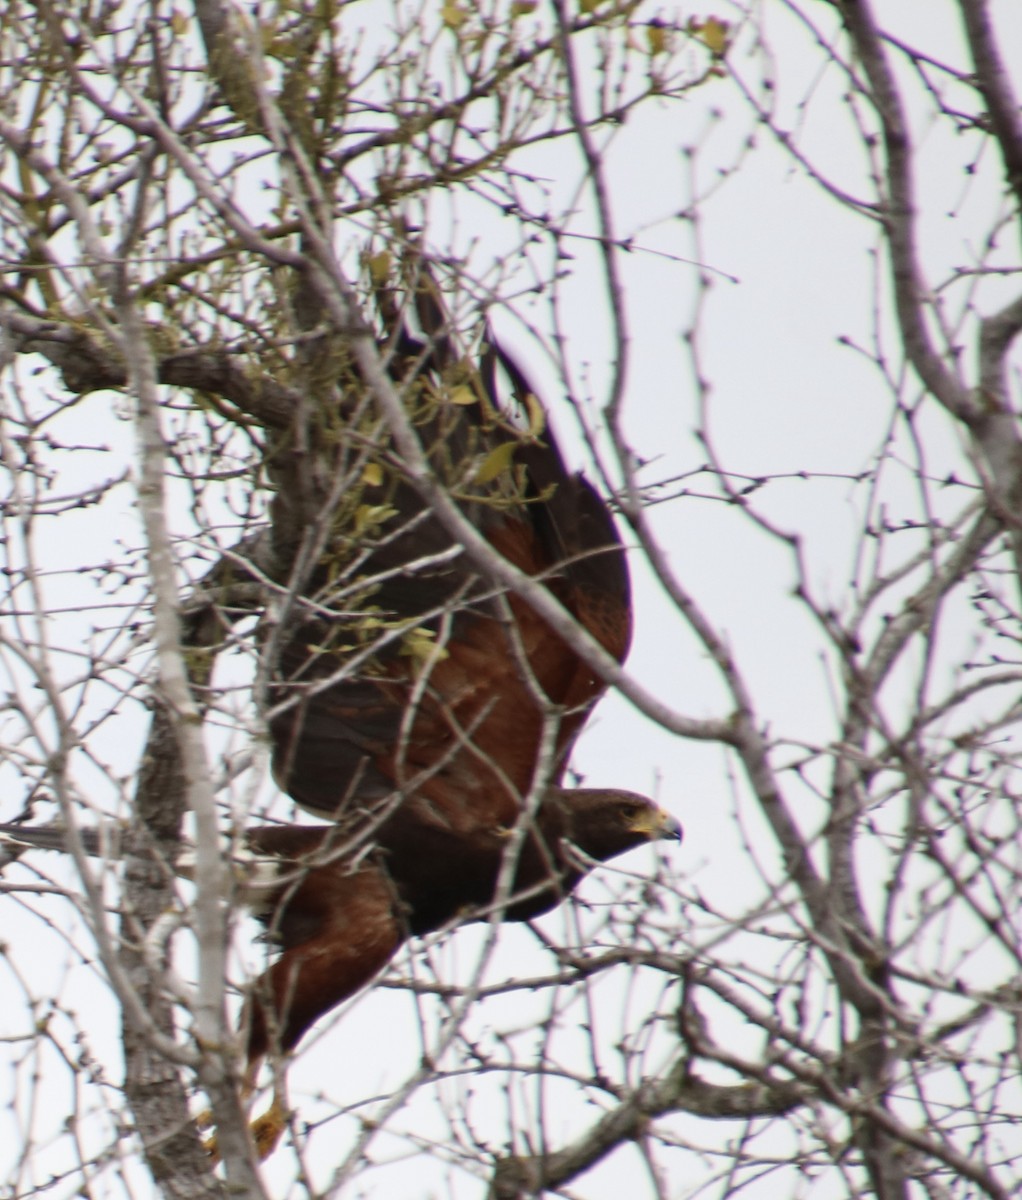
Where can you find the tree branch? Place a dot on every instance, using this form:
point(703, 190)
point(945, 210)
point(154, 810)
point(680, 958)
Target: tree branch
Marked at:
point(679, 1090)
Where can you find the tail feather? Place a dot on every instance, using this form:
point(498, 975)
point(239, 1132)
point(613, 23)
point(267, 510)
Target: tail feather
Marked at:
point(103, 841)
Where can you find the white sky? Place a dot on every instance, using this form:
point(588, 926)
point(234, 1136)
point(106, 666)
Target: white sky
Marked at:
point(785, 397)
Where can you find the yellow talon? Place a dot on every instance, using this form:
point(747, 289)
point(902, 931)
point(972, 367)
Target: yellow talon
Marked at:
point(265, 1131)
point(212, 1149)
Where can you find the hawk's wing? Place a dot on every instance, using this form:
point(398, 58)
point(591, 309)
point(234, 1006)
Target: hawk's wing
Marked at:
point(412, 675)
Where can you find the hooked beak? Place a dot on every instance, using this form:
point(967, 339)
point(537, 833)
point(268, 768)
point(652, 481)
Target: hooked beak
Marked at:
point(670, 827)
point(657, 824)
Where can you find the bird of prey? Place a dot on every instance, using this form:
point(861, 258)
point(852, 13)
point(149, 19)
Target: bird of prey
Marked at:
point(418, 705)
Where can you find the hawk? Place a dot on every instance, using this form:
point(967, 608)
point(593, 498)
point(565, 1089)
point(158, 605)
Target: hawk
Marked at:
point(424, 711)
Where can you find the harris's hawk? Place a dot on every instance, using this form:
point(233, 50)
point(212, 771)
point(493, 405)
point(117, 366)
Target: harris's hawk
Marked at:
point(420, 705)
point(416, 704)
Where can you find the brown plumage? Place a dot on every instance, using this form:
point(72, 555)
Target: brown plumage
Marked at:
point(339, 915)
point(451, 739)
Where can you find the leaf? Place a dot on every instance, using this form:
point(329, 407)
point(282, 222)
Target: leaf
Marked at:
point(496, 462)
point(463, 395)
point(418, 643)
point(522, 8)
point(713, 33)
point(379, 268)
point(452, 16)
point(372, 476)
point(369, 515)
point(537, 414)
point(656, 37)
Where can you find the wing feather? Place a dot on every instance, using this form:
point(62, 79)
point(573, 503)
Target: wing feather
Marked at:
point(430, 685)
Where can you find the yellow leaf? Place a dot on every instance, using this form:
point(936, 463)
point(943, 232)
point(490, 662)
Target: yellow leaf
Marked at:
point(452, 16)
point(713, 33)
point(588, 6)
point(178, 23)
point(656, 37)
point(379, 268)
point(372, 476)
point(463, 395)
point(522, 8)
point(496, 462)
point(537, 414)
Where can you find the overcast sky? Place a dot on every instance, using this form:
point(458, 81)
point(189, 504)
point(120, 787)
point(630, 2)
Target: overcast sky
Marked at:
point(791, 273)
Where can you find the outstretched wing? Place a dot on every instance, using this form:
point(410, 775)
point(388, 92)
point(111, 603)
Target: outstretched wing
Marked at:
point(410, 674)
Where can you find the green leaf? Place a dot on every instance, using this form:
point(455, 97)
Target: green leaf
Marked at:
point(419, 643)
point(537, 414)
point(496, 462)
point(367, 516)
